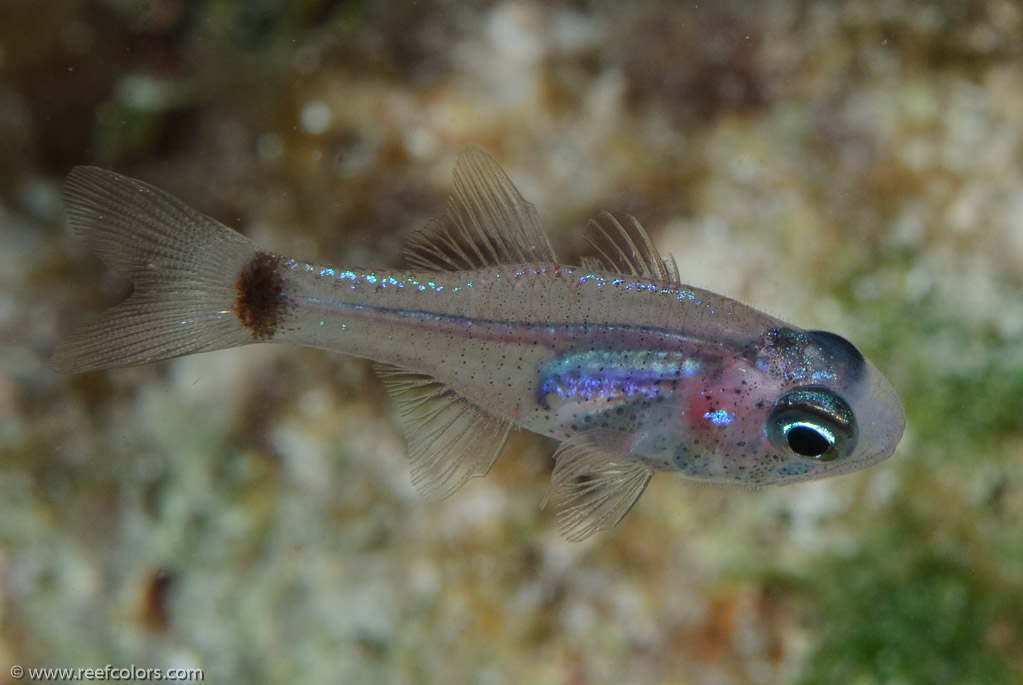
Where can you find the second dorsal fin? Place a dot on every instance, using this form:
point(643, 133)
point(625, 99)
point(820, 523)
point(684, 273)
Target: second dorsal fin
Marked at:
point(627, 249)
point(487, 223)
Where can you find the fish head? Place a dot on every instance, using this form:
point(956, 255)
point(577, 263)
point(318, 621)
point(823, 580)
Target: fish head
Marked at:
point(833, 412)
point(793, 406)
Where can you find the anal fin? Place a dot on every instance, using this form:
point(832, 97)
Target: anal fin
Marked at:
point(450, 439)
point(594, 484)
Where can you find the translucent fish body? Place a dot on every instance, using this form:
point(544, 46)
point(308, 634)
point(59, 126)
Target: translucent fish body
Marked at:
point(633, 370)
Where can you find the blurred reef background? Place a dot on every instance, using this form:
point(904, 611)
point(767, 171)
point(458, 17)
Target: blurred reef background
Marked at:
point(855, 166)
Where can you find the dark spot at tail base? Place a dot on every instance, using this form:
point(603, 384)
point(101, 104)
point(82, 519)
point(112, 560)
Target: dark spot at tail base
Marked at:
point(261, 302)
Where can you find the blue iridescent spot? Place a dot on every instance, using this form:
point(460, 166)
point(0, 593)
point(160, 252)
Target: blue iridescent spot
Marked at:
point(719, 417)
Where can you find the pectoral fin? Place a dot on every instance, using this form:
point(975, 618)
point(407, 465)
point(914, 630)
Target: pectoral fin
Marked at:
point(450, 439)
point(594, 484)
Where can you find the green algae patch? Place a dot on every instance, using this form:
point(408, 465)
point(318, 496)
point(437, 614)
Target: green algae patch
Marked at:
point(916, 606)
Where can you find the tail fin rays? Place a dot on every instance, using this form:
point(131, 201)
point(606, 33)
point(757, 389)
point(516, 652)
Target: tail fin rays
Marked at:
point(183, 267)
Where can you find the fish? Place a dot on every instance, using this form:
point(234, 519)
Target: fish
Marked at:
point(484, 331)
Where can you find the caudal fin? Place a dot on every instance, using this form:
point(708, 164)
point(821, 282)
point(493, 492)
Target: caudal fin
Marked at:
point(184, 268)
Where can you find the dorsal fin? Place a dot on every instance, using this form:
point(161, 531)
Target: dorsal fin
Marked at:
point(450, 439)
point(627, 249)
point(487, 223)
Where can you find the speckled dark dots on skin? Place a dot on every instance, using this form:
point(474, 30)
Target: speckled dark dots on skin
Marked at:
point(261, 302)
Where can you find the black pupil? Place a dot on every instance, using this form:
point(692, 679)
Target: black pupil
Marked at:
point(807, 442)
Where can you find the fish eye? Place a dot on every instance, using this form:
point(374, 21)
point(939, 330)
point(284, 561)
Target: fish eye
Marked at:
point(812, 422)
